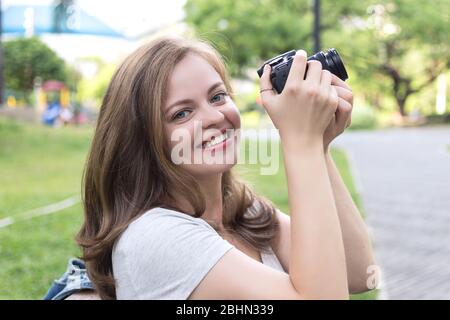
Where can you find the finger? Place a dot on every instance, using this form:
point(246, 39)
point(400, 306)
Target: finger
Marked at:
point(333, 119)
point(339, 82)
point(298, 68)
point(265, 83)
point(325, 79)
point(333, 98)
point(343, 114)
point(314, 72)
point(349, 122)
point(345, 94)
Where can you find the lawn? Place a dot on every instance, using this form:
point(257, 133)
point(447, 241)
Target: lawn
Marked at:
point(40, 166)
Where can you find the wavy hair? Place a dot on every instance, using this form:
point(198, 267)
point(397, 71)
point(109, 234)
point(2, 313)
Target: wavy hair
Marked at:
point(128, 171)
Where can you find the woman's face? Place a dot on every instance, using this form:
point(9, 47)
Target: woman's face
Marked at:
point(200, 119)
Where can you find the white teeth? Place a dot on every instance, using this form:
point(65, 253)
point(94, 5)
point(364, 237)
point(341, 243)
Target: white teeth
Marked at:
point(217, 140)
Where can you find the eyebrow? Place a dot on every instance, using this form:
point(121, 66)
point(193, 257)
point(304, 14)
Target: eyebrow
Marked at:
point(184, 101)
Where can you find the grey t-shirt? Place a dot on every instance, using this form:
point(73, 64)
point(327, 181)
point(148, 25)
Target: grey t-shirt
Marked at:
point(164, 254)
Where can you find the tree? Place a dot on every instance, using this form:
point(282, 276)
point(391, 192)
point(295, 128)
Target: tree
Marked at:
point(393, 46)
point(93, 89)
point(28, 58)
point(407, 44)
point(248, 32)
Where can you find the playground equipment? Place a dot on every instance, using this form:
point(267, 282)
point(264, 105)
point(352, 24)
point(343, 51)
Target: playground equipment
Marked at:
point(54, 102)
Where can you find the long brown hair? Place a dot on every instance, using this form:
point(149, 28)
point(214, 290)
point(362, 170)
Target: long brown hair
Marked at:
point(128, 172)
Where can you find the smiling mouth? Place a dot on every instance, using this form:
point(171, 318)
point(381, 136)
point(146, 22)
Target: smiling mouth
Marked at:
point(217, 140)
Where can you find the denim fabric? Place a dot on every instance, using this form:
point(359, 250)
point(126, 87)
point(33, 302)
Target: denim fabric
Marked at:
point(74, 279)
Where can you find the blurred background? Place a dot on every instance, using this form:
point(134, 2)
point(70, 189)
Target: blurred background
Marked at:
point(56, 60)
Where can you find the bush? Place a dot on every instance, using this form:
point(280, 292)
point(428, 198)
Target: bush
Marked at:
point(363, 117)
point(438, 118)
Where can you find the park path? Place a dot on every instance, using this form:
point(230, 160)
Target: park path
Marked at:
point(403, 176)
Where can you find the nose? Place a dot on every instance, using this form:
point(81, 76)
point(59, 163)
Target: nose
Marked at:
point(211, 116)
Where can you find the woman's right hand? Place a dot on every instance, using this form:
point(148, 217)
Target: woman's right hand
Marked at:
point(305, 108)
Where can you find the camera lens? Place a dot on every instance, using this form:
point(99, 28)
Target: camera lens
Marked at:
point(281, 66)
point(332, 62)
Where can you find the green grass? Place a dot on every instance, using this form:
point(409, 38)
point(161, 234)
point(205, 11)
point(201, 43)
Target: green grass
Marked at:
point(35, 252)
point(40, 166)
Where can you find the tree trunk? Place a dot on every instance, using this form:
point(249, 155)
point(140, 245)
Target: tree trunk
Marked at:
point(401, 104)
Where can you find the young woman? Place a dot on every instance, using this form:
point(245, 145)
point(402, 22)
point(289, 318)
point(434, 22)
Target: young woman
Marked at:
point(159, 228)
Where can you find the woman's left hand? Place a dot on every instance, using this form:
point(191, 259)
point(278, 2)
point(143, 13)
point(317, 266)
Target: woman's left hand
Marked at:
point(342, 117)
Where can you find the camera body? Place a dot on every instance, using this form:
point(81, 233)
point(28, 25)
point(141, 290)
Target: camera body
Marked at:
point(281, 65)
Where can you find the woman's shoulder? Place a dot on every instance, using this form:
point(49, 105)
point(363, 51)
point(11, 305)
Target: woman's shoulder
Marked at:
point(166, 212)
point(161, 217)
point(164, 254)
point(159, 224)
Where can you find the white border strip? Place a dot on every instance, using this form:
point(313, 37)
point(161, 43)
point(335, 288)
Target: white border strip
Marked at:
point(52, 208)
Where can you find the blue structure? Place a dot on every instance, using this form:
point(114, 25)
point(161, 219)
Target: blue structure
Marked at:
point(51, 113)
point(72, 20)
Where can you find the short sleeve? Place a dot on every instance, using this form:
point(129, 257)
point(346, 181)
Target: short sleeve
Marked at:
point(164, 255)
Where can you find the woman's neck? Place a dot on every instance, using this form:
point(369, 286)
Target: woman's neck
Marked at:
point(211, 187)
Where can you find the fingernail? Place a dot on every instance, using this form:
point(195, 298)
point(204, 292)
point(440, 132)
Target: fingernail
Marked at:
point(301, 53)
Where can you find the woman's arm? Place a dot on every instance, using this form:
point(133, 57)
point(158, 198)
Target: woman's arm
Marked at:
point(317, 256)
point(358, 249)
point(357, 246)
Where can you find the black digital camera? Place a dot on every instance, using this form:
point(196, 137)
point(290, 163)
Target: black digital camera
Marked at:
point(281, 65)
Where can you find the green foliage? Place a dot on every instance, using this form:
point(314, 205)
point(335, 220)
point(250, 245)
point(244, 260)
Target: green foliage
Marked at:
point(438, 118)
point(398, 48)
point(392, 48)
point(95, 88)
point(363, 117)
point(248, 32)
point(28, 58)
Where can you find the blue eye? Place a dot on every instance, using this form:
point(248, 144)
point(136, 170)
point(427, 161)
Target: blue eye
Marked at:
point(222, 94)
point(180, 115)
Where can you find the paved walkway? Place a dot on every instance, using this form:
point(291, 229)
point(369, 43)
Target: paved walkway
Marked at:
point(404, 180)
